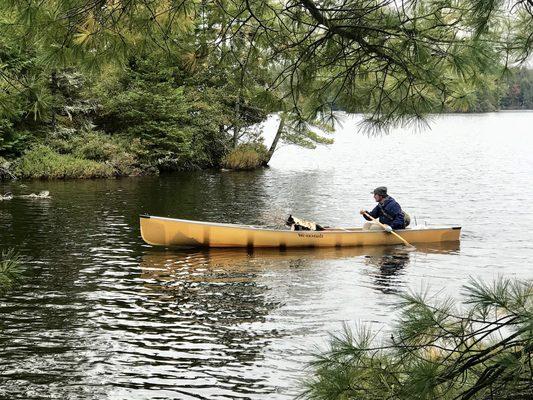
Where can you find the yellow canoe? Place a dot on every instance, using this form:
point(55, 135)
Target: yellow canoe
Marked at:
point(160, 231)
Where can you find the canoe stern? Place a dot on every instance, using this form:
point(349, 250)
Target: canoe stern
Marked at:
point(159, 232)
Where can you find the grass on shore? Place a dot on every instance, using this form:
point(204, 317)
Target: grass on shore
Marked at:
point(245, 156)
point(91, 155)
point(42, 162)
point(98, 155)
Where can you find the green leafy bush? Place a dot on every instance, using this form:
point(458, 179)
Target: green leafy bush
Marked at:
point(5, 170)
point(12, 141)
point(95, 149)
point(122, 155)
point(42, 162)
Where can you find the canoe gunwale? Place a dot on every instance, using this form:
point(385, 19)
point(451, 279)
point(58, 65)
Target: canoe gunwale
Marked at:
point(257, 228)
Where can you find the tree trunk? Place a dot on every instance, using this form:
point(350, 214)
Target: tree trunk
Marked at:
point(236, 127)
point(53, 90)
point(275, 141)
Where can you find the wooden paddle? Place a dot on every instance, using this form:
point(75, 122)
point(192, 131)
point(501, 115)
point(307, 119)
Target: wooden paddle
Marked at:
point(384, 227)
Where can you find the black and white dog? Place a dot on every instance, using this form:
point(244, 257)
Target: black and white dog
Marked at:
point(298, 224)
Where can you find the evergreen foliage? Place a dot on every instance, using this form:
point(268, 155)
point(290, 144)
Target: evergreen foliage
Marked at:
point(391, 60)
point(10, 269)
point(438, 350)
point(180, 123)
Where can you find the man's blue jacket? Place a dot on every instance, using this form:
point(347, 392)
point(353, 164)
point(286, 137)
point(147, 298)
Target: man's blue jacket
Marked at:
point(389, 213)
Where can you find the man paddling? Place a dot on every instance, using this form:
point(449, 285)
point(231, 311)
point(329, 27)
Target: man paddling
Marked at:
point(388, 211)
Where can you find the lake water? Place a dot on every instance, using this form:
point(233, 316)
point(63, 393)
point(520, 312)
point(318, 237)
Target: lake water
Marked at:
point(101, 315)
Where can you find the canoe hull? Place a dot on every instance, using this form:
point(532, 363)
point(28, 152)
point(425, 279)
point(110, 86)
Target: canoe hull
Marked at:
point(159, 231)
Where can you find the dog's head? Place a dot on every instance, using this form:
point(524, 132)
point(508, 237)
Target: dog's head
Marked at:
point(290, 221)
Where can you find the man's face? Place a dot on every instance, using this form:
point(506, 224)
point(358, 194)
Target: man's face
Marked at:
point(378, 198)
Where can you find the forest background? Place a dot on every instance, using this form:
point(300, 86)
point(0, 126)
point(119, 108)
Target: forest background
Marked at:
point(116, 88)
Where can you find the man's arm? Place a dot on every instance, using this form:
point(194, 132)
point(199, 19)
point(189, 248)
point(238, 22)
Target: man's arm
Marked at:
point(374, 213)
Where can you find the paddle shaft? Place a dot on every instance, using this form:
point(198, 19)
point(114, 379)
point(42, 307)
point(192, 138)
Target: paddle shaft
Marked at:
point(383, 226)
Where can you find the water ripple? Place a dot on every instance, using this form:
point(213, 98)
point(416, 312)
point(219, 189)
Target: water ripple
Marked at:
point(102, 315)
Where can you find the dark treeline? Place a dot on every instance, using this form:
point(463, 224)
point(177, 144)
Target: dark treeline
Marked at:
point(518, 91)
point(512, 91)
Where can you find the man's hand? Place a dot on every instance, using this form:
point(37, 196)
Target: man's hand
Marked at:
point(388, 228)
point(362, 211)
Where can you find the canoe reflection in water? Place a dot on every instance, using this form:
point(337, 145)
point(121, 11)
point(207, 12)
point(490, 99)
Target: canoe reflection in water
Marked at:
point(174, 268)
point(229, 311)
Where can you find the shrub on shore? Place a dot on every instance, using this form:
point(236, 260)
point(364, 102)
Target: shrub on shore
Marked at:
point(5, 170)
point(120, 154)
point(438, 351)
point(10, 269)
point(245, 156)
point(86, 155)
point(43, 162)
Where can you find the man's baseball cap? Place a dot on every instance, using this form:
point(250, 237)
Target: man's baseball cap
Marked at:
point(382, 191)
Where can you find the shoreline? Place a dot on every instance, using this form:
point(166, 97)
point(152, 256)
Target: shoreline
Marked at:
point(46, 161)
